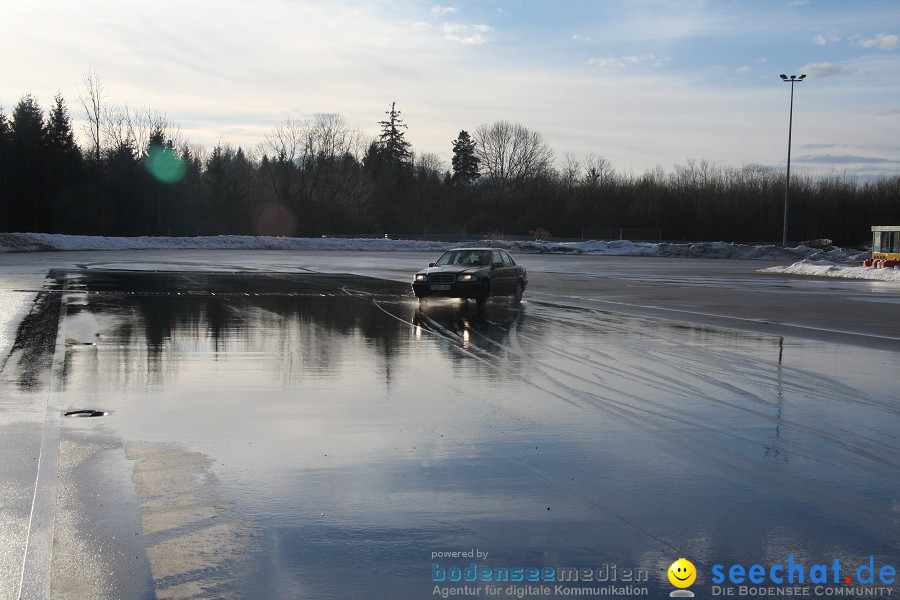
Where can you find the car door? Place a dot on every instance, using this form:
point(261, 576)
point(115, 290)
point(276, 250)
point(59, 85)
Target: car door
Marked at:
point(513, 269)
point(499, 275)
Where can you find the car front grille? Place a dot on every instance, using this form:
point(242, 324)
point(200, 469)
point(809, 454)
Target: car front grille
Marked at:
point(441, 277)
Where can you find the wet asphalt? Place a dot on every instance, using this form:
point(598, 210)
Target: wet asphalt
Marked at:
point(318, 435)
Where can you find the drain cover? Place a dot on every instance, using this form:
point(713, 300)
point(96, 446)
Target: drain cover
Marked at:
point(85, 413)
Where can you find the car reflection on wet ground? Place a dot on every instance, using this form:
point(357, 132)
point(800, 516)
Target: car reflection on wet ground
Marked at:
point(321, 436)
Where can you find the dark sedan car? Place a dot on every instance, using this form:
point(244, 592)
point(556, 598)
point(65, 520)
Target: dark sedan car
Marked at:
point(477, 273)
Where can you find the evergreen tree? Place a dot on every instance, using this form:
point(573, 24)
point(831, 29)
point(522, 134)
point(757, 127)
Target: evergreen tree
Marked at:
point(63, 168)
point(125, 186)
point(27, 167)
point(5, 129)
point(224, 185)
point(395, 146)
point(5, 140)
point(59, 127)
point(465, 163)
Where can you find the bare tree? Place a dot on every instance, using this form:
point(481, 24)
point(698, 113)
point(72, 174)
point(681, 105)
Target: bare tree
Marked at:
point(286, 139)
point(144, 123)
point(510, 153)
point(330, 136)
point(92, 99)
point(571, 171)
point(327, 135)
point(429, 164)
point(114, 128)
point(304, 152)
point(598, 171)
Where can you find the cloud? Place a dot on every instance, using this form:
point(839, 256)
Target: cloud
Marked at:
point(744, 70)
point(881, 41)
point(459, 32)
point(466, 34)
point(824, 40)
point(823, 69)
point(622, 61)
point(832, 159)
point(821, 146)
point(442, 11)
point(580, 38)
point(797, 2)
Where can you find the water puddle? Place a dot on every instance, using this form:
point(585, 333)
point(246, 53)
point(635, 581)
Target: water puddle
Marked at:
point(325, 436)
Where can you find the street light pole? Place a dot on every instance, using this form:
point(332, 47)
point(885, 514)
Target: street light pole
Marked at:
point(787, 186)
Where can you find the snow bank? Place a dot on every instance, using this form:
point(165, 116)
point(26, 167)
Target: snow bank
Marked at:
point(696, 250)
point(31, 242)
point(37, 242)
point(823, 268)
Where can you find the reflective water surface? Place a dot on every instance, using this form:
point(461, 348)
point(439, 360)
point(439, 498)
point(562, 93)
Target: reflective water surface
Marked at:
point(322, 436)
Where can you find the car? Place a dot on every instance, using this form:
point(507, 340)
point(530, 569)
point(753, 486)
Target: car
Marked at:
point(472, 273)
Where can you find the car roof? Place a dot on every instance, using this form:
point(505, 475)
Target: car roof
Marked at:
point(471, 249)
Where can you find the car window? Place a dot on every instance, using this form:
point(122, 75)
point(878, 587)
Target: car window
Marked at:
point(507, 259)
point(466, 258)
point(448, 258)
point(496, 258)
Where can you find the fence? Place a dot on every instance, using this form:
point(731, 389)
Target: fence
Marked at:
point(634, 235)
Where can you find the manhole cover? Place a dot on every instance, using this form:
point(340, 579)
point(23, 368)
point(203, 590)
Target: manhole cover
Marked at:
point(85, 413)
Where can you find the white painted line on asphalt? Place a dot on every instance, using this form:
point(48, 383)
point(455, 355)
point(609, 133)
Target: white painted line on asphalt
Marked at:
point(34, 583)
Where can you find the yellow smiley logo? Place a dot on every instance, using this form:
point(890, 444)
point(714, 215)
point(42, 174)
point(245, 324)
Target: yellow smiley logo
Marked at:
point(682, 573)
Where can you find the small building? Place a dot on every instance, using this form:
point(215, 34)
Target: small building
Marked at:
point(885, 246)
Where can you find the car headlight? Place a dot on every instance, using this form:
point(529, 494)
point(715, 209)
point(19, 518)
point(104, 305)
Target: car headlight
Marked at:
point(421, 277)
point(467, 277)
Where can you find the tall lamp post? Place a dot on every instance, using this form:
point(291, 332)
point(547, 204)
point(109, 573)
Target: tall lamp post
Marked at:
point(787, 186)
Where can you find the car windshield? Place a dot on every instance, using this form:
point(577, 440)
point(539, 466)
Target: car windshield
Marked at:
point(464, 258)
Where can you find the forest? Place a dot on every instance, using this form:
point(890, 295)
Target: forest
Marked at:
point(319, 176)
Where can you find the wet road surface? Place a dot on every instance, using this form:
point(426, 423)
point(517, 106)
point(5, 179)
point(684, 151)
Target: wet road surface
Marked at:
point(322, 436)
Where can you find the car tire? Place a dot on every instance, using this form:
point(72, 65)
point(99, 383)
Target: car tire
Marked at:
point(482, 298)
point(517, 294)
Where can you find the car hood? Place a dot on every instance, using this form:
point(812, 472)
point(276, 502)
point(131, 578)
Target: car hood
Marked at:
point(456, 269)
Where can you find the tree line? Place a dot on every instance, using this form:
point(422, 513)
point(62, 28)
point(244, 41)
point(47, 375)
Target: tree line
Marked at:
point(320, 176)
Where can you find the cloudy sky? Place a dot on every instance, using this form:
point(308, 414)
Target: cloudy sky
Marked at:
point(642, 82)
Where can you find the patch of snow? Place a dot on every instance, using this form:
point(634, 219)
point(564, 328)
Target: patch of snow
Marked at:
point(824, 268)
point(35, 242)
point(38, 242)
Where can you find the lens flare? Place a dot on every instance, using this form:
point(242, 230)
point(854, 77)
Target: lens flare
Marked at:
point(165, 165)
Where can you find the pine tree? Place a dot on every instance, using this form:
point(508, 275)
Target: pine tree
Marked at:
point(5, 130)
point(64, 162)
point(395, 146)
point(465, 163)
point(59, 127)
point(27, 167)
point(5, 140)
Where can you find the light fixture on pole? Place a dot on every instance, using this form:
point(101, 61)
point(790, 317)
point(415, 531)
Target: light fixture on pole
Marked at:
point(787, 185)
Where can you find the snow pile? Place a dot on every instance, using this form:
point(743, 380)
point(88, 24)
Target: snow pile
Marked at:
point(31, 242)
point(37, 242)
point(696, 250)
point(823, 268)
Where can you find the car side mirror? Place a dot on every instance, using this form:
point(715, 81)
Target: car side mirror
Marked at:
point(430, 264)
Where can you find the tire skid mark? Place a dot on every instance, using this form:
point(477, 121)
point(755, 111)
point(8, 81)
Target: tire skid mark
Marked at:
point(872, 450)
point(650, 365)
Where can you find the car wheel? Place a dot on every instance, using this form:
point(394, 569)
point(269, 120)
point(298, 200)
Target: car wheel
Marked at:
point(483, 297)
point(517, 295)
